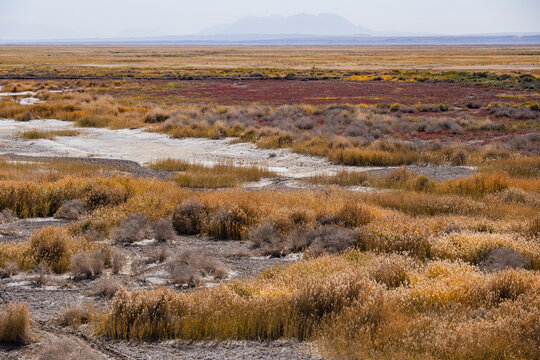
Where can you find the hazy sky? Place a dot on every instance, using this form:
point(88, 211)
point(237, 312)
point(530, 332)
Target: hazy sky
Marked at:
point(168, 17)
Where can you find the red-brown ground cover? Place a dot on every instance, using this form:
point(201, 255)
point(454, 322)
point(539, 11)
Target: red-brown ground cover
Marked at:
point(229, 92)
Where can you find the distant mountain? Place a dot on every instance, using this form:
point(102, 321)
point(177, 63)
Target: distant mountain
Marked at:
point(301, 24)
point(301, 29)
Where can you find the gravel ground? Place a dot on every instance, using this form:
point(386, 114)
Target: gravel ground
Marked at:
point(229, 350)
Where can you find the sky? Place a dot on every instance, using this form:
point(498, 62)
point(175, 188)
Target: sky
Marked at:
point(113, 18)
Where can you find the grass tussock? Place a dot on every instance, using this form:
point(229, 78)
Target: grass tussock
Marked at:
point(76, 314)
point(35, 134)
point(527, 167)
point(43, 199)
point(51, 246)
point(217, 176)
point(15, 326)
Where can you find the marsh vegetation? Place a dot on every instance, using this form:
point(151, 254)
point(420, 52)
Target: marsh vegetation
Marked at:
point(423, 265)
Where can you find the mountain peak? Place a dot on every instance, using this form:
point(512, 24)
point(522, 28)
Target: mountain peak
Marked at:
point(299, 24)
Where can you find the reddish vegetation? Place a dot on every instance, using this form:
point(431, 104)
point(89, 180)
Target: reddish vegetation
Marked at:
point(335, 91)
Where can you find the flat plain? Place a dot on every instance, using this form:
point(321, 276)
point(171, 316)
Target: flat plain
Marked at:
point(269, 202)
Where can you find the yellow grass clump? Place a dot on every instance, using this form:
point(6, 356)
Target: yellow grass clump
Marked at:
point(217, 176)
point(35, 134)
point(15, 326)
point(50, 245)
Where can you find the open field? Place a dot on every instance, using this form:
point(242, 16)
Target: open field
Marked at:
point(341, 58)
point(270, 202)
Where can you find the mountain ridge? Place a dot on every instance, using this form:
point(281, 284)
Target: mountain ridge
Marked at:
point(324, 24)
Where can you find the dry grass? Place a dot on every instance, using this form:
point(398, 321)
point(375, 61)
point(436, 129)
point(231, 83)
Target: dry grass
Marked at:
point(398, 274)
point(15, 324)
point(332, 299)
point(475, 186)
point(105, 287)
point(218, 176)
point(76, 314)
point(361, 157)
point(521, 167)
point(190, 268)
point(86, 265)
point(35, 134)
point(283, 59)
point(232, 214)
point(70, 210)
point(51, 246)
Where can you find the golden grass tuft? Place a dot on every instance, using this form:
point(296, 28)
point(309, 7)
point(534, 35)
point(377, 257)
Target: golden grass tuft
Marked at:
point(220, 175)
point(35, 134)
point(15, 324)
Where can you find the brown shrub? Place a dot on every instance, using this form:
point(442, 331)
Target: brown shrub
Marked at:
point(156, 118)
point(397, 177)
point(299, 217)
point(163, 230)
point(506, 285)
point(7, 215)
point(87, 265)
point(15, 324)
point(324, 239)
point(355, 331)
point(188, 217)
point(70, 210)
point(319, 297)
point(267, 238)
point(76, 314)
point(105, 193)
point(329, 219)
point(190, 268)
point(230, 223)
point(131, 229)
point(140, 315)
point(118, 259)
point(354, 214)
point(10, 268)
point(105, 287)
point(415, 245)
